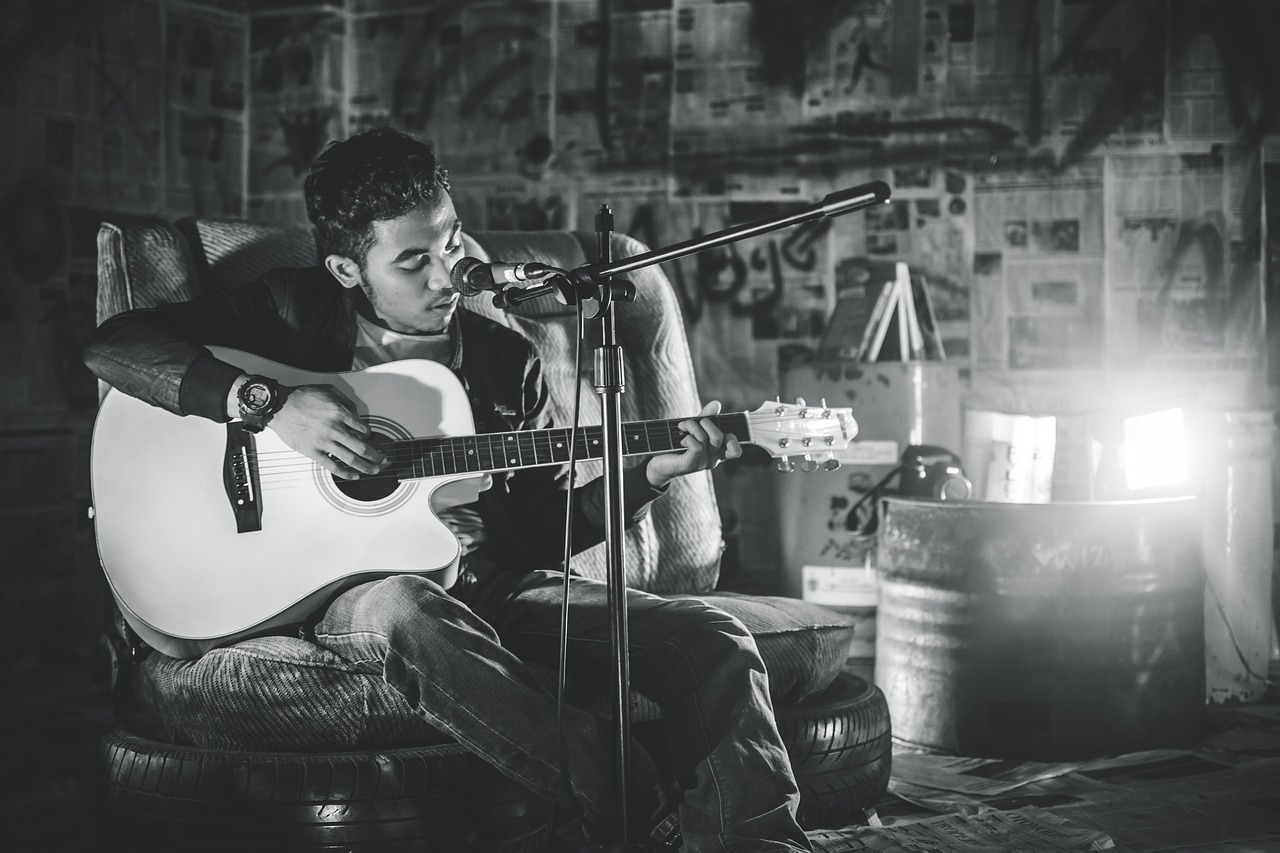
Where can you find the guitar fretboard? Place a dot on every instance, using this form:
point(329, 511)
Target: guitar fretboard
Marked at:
point(502, 451)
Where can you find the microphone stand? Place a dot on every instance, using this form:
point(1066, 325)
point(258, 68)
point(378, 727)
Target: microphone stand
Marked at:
point(596, 282)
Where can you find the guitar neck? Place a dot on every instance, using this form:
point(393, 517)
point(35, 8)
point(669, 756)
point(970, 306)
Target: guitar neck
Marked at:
point(505, 451)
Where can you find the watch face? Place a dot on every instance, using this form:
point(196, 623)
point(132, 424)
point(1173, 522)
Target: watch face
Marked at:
point(256, 396)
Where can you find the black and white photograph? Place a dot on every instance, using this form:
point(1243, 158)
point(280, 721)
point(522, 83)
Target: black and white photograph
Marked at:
point(640, 426)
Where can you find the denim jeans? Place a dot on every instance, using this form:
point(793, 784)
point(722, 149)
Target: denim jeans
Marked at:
point(479, 673)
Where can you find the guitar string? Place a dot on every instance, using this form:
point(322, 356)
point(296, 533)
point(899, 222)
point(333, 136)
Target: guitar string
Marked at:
point(525, 440)
point(447, 458)
point(449, 453)
point(652, 428)
point(306, 474)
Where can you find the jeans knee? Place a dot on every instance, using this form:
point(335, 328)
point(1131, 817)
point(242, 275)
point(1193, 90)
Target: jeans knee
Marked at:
point(711, 640)
point(402, 599)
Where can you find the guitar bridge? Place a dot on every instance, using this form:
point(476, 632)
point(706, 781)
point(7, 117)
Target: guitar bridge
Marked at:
point(240, 478)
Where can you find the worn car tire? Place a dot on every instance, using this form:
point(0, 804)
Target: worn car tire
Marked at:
point(440, 798)
point(841, 751)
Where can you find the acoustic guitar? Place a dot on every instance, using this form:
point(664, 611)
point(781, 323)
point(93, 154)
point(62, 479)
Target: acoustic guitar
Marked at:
point(208, 533)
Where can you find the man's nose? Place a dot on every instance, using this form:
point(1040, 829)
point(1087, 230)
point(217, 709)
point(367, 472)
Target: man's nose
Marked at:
point(439, 278)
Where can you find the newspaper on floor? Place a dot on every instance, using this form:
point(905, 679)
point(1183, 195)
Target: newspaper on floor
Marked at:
point(991, 832)
point(979, 778)
point(975, 777)
point(1148, 803)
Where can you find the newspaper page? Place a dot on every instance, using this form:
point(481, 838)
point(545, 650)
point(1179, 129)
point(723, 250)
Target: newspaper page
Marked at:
point(207, 115)
point(1038, 259)
point(474, 78)
point(991, 832)
point(1184, 261)
point(1198, 107)
point(1149, 801)
point(758, 305)
point(1126, 45)
point(975, 777)
point(101, 113)
point(993, 48)
point(720, 110)
point(852, 62)
point(628, 126)
point(296, 80)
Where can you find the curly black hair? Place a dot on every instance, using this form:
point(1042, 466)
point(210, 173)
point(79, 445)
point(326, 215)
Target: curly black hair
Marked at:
point(373, 175)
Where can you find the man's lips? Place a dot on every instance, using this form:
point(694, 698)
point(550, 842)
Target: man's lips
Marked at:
point(444, 304)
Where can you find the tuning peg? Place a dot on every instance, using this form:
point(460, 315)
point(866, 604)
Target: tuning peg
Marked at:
point(826, 411)
point(832, 463)
point(809, 465)
point(800, 402)
point(785, 465)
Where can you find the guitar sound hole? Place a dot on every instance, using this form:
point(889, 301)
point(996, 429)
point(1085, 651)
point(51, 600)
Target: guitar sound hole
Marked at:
point(367, 488)
point(370, 488)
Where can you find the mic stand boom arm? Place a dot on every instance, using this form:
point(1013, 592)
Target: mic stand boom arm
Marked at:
point(586, 280)
point(593, 281)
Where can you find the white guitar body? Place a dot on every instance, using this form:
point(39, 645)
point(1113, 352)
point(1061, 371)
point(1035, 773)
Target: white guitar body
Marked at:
point(186, 580)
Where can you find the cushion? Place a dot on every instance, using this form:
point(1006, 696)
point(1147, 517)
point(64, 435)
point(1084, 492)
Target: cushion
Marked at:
point(283, 693)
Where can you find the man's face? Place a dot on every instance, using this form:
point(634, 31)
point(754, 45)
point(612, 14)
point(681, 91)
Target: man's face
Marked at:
point(406, 272)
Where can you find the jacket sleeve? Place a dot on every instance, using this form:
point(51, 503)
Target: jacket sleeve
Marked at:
point(530, 503)
point(159, 354)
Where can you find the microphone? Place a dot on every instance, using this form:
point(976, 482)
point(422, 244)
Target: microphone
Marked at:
point(472, 276)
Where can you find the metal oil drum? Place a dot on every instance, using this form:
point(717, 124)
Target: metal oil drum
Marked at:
point(1041, 631)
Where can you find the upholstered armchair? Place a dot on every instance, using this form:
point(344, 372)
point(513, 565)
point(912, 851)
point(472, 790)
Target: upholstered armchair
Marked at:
point(281, 702)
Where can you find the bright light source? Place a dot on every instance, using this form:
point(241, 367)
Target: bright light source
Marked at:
point(1155, 450)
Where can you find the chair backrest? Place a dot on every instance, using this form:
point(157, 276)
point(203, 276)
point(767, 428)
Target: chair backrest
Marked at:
point(146, 261)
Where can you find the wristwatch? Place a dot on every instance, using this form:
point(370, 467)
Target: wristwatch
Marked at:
point(258, 398)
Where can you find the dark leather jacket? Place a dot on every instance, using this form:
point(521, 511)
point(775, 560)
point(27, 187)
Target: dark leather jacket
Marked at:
point(304, 318)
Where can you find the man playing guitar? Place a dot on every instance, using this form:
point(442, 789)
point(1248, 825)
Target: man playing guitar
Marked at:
point(389, 235)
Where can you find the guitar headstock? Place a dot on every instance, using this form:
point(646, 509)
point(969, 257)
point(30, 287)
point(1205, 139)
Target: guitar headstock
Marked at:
point(815, 433)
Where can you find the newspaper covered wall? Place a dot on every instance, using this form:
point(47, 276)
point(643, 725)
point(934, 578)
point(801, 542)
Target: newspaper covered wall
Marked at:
point(1070, 180)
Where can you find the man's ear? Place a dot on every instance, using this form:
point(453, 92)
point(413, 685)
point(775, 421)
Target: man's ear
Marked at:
point(345, 270)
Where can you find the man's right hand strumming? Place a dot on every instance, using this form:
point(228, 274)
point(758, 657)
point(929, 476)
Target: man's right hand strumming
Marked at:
point(322, 424)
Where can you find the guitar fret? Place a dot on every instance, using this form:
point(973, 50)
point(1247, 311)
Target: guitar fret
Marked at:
point(559, 441)
point(467, 445)
point(634, 435)
point(511, 446)
point(446, 455)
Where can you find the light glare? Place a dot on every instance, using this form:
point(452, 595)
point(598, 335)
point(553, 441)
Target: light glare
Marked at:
point(1155, 450)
